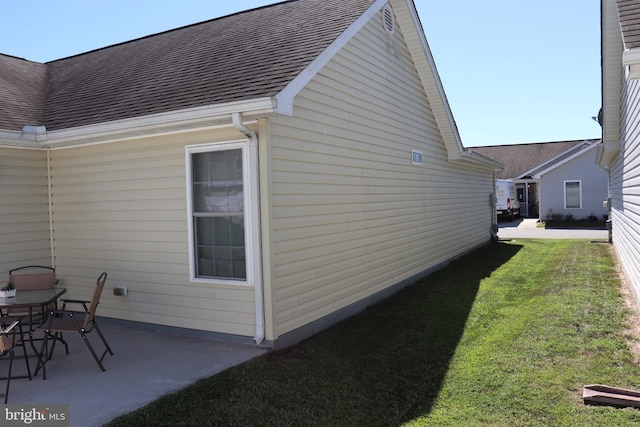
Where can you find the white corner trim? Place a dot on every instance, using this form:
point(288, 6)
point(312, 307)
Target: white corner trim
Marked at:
point(285, 97)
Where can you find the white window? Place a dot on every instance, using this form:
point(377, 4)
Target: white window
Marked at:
point(572, 195)
point(219, 186)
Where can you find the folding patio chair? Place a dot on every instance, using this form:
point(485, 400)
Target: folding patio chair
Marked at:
point(28, 278)
point(10, 338)
point(33, 277)
point(69, 321)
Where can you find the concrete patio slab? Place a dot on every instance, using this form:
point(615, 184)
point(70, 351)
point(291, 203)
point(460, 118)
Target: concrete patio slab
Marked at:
point(146, 365)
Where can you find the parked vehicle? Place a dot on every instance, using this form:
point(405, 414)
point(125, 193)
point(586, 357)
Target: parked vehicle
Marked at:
point(507, 203)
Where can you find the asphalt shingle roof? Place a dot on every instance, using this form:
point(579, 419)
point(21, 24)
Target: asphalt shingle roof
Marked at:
point(629, 13)
point(246, 55)
point(520, 158)
point(22, 92)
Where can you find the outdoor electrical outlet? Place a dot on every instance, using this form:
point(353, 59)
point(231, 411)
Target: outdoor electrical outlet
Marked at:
point(120, 291)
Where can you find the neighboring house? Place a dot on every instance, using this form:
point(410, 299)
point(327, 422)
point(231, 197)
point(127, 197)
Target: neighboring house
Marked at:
point(262, 175)
point(554, 178)
point(620, 119)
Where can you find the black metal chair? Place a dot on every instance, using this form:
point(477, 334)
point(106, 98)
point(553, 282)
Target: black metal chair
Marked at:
point(10, 338)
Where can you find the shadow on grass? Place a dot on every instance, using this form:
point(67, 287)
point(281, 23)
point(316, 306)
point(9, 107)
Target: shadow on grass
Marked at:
point(405, 344)
point(384, 366)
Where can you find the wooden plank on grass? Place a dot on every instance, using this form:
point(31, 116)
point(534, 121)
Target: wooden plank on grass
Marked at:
point(598, 394)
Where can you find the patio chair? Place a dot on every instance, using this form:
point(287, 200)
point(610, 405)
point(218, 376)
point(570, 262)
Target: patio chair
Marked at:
point(33, 277)
point(10, 338)
point(68, 321)
point(28, 278)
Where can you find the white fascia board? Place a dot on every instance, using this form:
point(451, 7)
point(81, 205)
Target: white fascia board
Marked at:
point(564, 161)
point(612, 52)
point(17, 139)
point(186, 119)
point(285, 97)
point(608, 151)
point(409, 22)
point(469, 158)
point(631, 58)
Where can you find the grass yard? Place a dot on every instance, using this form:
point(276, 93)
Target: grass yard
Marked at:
point(506, 336)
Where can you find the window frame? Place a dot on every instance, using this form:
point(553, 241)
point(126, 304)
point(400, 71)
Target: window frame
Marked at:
point(250, 201)
point(417, 157)
point(579, 193)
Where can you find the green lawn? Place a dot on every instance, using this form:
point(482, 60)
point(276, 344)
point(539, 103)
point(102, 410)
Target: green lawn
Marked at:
point(506, 336)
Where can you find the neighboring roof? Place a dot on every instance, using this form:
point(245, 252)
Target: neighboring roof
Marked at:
point(519, 159)
point(629, 13)
point(246, 55)
point(22, 92)
point(576, 151)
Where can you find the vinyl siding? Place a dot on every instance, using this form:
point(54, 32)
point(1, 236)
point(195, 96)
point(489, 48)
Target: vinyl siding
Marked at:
point(121, 208)
point(351, 215)
point(24, 211)
point(625, 186)
point(594, 187)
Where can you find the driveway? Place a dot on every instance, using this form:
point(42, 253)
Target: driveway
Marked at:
point(526, 228)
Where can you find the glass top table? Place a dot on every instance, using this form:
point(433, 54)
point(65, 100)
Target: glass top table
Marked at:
point(32, 298)
point(25, 303)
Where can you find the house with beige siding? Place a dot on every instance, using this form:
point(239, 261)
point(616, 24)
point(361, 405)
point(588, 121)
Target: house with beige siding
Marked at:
point(258, 176)
point(554, 179)
point(620, 119)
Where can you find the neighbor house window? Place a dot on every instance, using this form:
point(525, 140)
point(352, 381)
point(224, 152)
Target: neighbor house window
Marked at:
point(217, 216)
point(572, 195)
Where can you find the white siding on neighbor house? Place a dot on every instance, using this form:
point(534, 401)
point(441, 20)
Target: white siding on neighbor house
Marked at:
point(625, 186)
point(351, 215)
point(593, 183)
point(24, 211)
point(121, 208)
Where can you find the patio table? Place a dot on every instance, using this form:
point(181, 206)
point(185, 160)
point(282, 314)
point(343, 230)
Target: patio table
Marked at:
point(32, 298)
point(28, 299)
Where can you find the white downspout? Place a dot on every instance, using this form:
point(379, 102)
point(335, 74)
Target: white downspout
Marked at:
point(255, 247)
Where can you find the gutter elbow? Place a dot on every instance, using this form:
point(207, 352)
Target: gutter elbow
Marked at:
point(242, 128)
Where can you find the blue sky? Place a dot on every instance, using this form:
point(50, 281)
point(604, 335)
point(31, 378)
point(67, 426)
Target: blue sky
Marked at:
point(513, 71)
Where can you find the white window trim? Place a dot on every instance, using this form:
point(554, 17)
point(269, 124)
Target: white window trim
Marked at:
point(416, 157)
point(250, 198)
point(565, 192)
